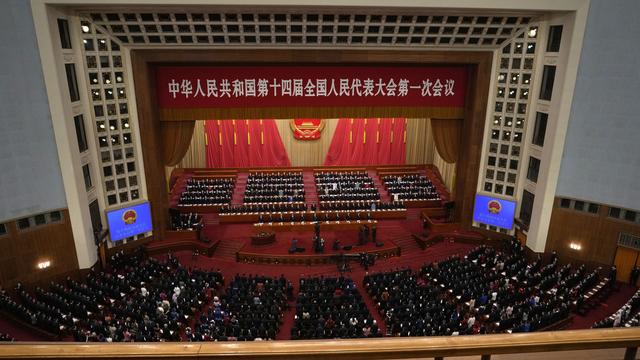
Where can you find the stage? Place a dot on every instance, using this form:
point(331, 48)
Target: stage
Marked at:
point(278, 252)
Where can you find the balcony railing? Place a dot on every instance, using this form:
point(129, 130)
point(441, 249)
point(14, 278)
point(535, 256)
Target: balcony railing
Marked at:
point(369, 349)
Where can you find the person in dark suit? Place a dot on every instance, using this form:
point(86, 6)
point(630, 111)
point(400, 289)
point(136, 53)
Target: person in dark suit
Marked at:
point(366, 234)
point(635, 272)
point(373, 233)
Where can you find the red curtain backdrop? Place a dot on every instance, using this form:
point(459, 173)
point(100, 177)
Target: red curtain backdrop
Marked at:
point(374, 141)
point(244, 143)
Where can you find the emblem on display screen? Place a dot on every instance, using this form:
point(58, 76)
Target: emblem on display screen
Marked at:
point(129, 217)
point(494, 206)
point(306, 129)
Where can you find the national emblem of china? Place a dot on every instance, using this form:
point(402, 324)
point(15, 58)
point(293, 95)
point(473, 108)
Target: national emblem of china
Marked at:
point(494, 206)
point(306, 129)
point(129, 217)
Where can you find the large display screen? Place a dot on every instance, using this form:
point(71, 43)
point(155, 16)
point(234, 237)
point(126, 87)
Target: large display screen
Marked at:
point(493, 211)
point(129, 221)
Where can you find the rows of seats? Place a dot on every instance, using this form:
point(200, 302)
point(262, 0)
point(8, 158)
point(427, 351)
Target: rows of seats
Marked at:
point(486, 291)
point(362, 205)
point(251, 310)
point(330, 308)
point(628, 315)
point(140, 299)
point(257, 208)
point(341, 186)
point(188, 221)
point(274, 187)
point(207, 192)
point(143, 299)
point(411, 187)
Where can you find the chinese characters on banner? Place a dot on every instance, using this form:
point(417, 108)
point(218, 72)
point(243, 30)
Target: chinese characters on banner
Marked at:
point(209, 87)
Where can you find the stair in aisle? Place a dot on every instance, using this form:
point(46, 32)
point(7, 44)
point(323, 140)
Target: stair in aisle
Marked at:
point(413, 213)
point(384, 194)
point(408, 247)
point(211, 219)
point(227, 249)
point(310, 191)
point(238, 191)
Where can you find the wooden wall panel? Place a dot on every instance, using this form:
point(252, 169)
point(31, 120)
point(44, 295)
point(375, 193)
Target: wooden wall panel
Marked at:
point(596, 233)
point(293, 112)
point(625, 260)
point(22, 250)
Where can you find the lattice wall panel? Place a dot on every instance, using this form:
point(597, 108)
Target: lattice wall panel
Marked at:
point(514, 75)
point(308, 29)
point(108, 93)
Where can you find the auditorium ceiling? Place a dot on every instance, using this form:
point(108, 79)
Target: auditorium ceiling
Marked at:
point(308, 28)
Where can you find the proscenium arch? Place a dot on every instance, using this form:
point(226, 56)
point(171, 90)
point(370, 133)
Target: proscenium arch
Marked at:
point(150, 115)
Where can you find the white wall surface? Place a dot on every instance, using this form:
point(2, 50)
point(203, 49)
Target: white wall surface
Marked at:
point(30, 178)
point(601, 160)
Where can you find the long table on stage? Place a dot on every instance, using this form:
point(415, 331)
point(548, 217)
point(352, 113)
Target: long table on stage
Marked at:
point(310, 226)
point(308, 215)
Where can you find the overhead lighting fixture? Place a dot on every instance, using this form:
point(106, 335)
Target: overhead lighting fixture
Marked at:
point(44, 264)
point(85, 28)
point(533, 32)
point(575, 246)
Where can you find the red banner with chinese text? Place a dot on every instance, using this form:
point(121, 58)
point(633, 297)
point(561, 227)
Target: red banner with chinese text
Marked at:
point(317, 86)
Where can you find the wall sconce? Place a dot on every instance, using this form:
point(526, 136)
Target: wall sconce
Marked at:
point(44, 264)
point(575, 246)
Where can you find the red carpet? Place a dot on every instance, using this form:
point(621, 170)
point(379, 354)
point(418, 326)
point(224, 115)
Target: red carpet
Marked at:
point(613, 303)
point(347, 238)
point(238, 192)
point(310, 193)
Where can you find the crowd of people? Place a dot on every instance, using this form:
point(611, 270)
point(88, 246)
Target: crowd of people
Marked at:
point(144, 299)
point(251, 310)
point(207, 192)
point(329, 308)
point(257, 208)
point(190, 221)
point(6, 338)
point(486, 291)
point(274, 187)
point(140, 299)
point(628, 315)
point(350, 205)
point(341, 186)
point(410, 187)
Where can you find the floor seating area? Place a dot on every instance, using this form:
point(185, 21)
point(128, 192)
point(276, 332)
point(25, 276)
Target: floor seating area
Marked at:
point(486, 291)
point(628, 315)
point(329, 308)
point(207, 191)
point(143, 300)
point(250, 310)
